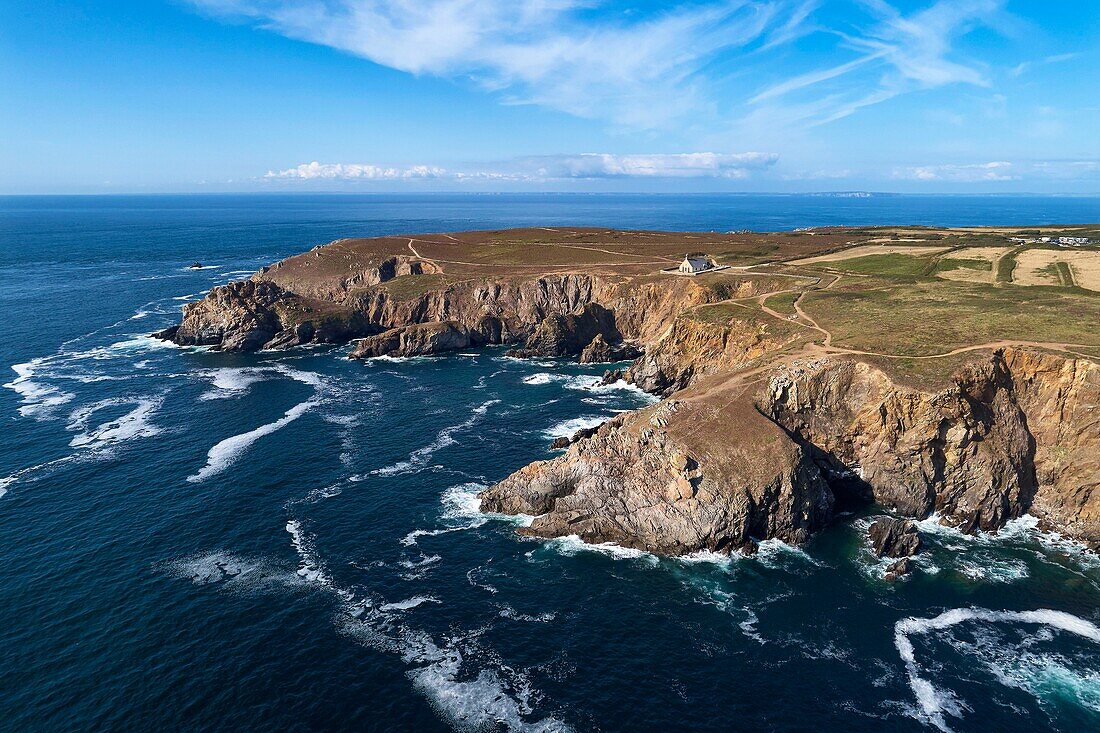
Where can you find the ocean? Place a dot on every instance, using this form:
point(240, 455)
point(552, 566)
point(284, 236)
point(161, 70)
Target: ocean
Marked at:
point(291, 541)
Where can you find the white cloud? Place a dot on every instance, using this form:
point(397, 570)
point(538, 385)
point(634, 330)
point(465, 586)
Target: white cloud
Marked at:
point(1067, 169)
point(896, 54)
point(679, 64)
point(548, 168)
point(637, 69)
point(678, 165)
point(970, 173)
point(354, 171)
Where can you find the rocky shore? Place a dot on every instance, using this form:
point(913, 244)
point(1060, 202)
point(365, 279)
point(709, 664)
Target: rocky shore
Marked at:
point(759, 436)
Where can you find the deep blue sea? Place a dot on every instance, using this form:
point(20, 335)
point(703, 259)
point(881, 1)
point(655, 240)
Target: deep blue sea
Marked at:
point(194, 541)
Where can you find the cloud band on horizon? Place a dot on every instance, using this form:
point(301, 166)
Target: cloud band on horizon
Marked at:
point(549, 167)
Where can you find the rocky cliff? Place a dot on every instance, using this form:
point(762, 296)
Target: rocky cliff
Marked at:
point(546, 315)
point(756, 438)
point(653, 481)
point(714, 468)
point(1016, 433)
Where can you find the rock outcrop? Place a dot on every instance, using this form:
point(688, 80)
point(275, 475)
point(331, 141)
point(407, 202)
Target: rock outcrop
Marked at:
point(1015, 433)
point(647, 481)
point(600, 351)
point(567, 334)
point(693, 349)
point(419, 339)
point(894, 537)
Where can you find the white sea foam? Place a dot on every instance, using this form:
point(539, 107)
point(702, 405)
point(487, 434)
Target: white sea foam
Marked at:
point(141, 342)
point(936, 704)
point(990, 569)
point(419, 458)
point(773, 553)
point(571, 545)
point(408, 603)
point(134, 424)
point(32, 472)
point(463, 503)
point(232, 381)
point(485, 702)
point(544, 378)
point(310, 567)
point(39, 399)
point(706, 557)
point(235, 573)
point(508, 612)
point(226, 452)
point(494, 699)
point(748, 626)
point(223, 454)
point(566, 428)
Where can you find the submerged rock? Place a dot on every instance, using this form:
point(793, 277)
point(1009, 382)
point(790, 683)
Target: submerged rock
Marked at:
point(564, 442)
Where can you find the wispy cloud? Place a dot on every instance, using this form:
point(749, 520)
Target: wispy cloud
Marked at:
point(969, 173)
point(894, 54)
point(704, 64)
point(635, 68)
point(547, 168)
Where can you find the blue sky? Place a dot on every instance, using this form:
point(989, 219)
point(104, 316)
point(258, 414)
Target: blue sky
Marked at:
point(563, 95)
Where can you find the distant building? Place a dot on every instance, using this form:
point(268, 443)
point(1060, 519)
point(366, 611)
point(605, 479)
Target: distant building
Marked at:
point(694, 264)
point(1062, 241)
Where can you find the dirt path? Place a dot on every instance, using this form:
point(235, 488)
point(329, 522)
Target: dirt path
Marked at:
point(806, 320)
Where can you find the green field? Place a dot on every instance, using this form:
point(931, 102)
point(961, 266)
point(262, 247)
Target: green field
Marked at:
point(930, 317)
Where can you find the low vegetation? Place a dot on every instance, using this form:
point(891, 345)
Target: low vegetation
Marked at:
point(932, 317)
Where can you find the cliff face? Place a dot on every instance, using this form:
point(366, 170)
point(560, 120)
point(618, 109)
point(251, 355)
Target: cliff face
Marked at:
point(556, 314)
point(694, 349)
point(1014, 434)
point(642, 481)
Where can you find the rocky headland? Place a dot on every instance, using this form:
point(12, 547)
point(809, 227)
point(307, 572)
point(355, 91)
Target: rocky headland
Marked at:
point(769, 422)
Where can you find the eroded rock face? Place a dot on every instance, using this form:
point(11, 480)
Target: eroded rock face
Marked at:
point(419, 339)
point(600, 351)
point(644, 481)
point(239, 316)
point(1014, 434)
point(894, 537)
point(550, 315)
point(566, 334)
point(692, 350)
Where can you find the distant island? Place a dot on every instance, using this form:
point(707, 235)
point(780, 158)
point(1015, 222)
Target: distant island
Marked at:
point(933, 371)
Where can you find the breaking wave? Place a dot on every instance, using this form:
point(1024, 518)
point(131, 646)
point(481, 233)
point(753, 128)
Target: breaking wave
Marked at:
point(134, 424)
point(937, 704)
point(38, 398)
point(566, 428)
point(419, 458)
point(226, 452)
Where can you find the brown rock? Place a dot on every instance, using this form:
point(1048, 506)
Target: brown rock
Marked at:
point(899, 568)
point(419, 339)
point(894, 537)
